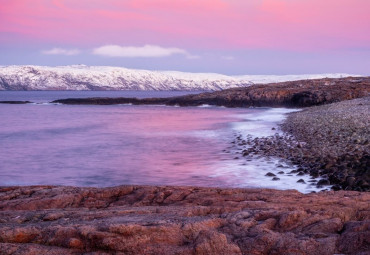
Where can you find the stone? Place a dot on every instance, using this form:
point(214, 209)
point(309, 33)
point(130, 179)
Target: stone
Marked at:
point(270, 174)
point(323, 182)
point(350, 181)
point(181, 220)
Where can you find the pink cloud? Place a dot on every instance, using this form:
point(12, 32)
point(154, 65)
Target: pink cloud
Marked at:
point(269, 24)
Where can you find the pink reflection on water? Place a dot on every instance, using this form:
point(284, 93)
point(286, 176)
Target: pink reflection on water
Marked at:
point(113, 145)
point(174, 146)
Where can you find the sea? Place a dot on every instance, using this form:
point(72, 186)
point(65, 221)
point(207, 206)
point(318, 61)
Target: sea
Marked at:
point(110, 145)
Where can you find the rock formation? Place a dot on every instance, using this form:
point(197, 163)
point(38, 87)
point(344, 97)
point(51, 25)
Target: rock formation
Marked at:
point(302, 93)
point(182, 220)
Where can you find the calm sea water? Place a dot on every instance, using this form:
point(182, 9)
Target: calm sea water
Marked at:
point(102, 146)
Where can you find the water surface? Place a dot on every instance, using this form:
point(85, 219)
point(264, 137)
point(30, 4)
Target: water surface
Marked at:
point(120, 144)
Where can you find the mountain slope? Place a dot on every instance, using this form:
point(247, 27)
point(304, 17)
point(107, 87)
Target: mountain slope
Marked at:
point(80, 77)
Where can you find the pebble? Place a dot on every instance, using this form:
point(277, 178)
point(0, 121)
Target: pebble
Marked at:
point(323, 182)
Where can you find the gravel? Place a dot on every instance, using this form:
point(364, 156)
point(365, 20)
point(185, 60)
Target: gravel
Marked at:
point(329, 141)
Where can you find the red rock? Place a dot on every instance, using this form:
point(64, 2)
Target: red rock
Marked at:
point(181, 220)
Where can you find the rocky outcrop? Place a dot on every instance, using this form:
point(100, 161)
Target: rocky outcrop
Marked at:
point(302, 93)
point(181, 220)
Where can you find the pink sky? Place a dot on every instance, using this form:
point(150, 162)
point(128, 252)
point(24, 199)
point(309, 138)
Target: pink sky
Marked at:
point(274, 25)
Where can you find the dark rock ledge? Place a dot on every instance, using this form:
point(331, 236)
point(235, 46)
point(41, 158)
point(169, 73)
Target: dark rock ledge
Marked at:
point(302, 93)
point(15, 102)
point(182, 220)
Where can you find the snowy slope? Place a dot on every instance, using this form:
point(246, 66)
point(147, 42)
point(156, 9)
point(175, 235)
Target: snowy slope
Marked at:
point(81, 77)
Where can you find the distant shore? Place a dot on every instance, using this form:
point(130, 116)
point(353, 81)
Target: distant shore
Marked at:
point(303, 93)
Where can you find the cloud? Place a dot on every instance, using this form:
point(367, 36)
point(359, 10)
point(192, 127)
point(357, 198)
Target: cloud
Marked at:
point(146, 51)
point(60, 51)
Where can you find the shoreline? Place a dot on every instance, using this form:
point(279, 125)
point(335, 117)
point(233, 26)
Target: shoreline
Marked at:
point(251, 146)
point(330, 142)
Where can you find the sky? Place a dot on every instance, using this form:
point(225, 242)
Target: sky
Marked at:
point(224, 36)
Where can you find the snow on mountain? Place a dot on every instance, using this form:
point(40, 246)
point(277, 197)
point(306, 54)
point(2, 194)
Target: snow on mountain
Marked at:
point(81, 77)
point(263, 79)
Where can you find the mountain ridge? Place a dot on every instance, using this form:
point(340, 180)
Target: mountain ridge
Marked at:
point(81, 77)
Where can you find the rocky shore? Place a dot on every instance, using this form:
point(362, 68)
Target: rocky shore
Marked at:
point(302, 93)
point(331, 142)
point(182, 220)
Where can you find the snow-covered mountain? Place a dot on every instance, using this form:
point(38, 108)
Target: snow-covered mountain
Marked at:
point(81, 77)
